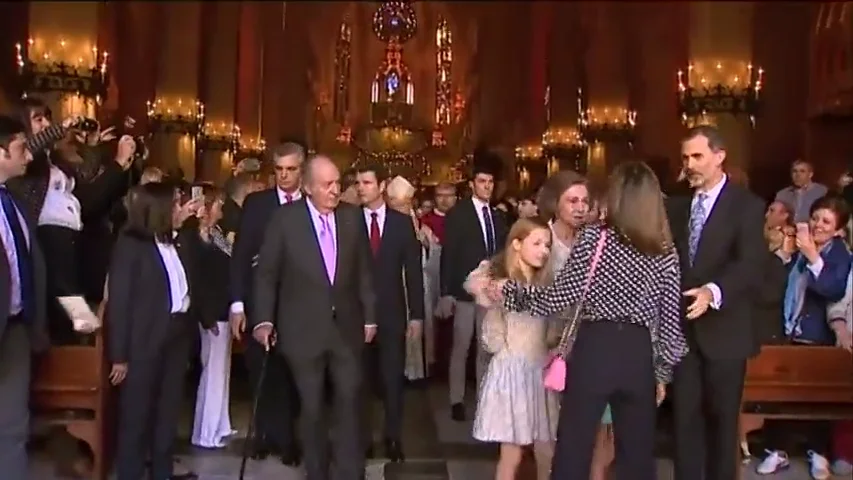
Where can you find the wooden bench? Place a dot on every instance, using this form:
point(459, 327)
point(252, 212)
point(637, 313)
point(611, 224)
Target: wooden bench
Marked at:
point(70, 388)
point(796, 382)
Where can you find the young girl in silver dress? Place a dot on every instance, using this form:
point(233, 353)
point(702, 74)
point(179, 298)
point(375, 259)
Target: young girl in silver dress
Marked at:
point(514, 408)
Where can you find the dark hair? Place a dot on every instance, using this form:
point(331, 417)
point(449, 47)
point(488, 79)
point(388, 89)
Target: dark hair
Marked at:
point(715, 139)
point(286, 149)
point(634, 208)
point(837, 205)
point(149, 212)
point(554, 187)
point(29, 105)
point(375, 168)
point(10, 127)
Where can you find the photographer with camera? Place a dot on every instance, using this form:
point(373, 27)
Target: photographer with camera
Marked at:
point(66, 186)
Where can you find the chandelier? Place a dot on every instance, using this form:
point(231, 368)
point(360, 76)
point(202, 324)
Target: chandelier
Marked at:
point(706, 89)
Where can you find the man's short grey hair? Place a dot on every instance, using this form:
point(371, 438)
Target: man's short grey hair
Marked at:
point(286, 149)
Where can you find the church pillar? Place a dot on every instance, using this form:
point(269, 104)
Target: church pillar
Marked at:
point(219, 81)
point(607, 120)
point(295, 91)
point(177, 114)
point(275, 56)
point(250, 51)
point(66, 32)
point(137, 59)
point(723, 56)
point(561, 141)
point(542, 18)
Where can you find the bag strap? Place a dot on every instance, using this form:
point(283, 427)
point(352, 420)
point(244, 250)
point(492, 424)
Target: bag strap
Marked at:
point(569, 329)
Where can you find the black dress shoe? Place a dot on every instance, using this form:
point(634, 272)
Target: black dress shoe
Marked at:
point(457, 412)
point(394, 451)
point(290, 457)
point(259, 450)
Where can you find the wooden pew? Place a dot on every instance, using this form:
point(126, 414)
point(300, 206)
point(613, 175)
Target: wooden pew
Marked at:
point(796, 382)
point(70, 388)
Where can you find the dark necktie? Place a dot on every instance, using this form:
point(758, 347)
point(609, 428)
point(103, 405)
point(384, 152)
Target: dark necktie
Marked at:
point(22, 252)
point(375, 236)
point(490, 231)
point(288, 198)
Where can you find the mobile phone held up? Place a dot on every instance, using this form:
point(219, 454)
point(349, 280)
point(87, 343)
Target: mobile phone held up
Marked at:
point(197, 193)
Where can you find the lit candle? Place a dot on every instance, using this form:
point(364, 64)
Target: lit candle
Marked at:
point(410, 94)
point(374, 92)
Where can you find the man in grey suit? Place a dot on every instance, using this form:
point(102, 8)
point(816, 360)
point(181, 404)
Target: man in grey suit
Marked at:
point(23, 325)
point(314, 302)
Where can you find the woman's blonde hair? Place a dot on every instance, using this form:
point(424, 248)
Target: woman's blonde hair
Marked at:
point(507, 263)
point(634, 208)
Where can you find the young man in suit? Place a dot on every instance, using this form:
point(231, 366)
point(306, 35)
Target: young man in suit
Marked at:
point(314, 304)
point(719, 237)
point(473, 232)
point(398, 274)
point(278, 402)
point(23, 321)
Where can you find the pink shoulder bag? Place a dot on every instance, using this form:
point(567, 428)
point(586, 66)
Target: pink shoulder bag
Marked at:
point(556, 370)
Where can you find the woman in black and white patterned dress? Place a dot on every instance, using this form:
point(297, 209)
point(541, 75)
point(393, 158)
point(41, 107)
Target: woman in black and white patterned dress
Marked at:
point(630, 337)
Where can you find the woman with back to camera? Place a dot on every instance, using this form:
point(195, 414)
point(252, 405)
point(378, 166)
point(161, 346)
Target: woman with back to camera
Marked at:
point(211, 252)
point(152, 325)
point(629, 338)
point(564, 200)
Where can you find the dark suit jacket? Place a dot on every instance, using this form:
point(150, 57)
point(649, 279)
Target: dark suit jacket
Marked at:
point(212, 271)
point(39, 338)
point(399, 252)
point(138, 310)
point(292, 289)
point(258, 208)
point(732, 254)
point(464, 247)
point(231, 212)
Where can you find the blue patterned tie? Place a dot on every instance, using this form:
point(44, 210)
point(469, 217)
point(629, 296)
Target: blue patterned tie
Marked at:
point(697, 221)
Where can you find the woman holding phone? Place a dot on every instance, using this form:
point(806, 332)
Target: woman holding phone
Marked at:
point(152, 315)
point(818, 264)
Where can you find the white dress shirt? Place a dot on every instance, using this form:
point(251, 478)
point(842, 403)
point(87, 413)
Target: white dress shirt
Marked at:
point(16, 302)
point(179, 288)
point(708, 203)
point(478, 207)
point(282, 196)
point(380, 219)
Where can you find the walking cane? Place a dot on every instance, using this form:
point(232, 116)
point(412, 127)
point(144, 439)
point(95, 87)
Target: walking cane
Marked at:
point(250, 432)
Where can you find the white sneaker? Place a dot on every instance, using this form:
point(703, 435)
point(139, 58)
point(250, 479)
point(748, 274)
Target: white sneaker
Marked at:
point(842, 468)
point(818, 466)
point(82, 317)
point(775, 461)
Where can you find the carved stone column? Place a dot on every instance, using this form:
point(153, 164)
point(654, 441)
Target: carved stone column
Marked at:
point(250, 73)
point(720, 56)
point(64, 32)
point(219, 86)
point(177, 103)
point(608, 119)
point(275, 64)
point(295, 93)
point(137, 58)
